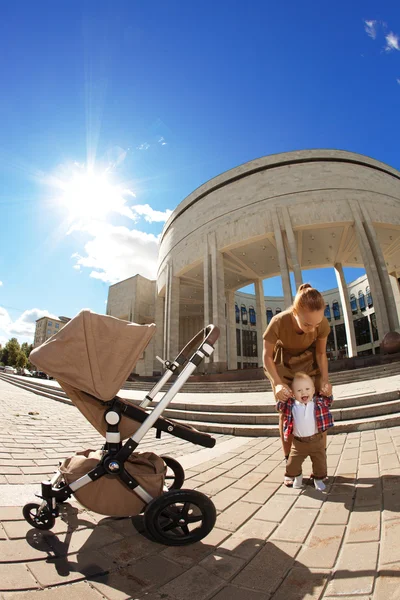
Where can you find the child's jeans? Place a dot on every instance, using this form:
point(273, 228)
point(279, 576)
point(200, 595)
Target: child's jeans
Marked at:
point(314, 447)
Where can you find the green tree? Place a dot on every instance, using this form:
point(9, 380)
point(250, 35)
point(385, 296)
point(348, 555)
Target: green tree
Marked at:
point(21, 360)
point(10, 352)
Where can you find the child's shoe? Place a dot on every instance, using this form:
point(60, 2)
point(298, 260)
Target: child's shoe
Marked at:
point(288, 481)
point(298, 482)
point(319, 485)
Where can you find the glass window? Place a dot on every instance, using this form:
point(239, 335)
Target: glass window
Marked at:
point(237, 313)
point(278, 310)
point(49, 323)
point(361, 300)
point(353, 304)
point(341, 336)
point(327, 312)
point(336, 310)
point(252, 315)
point(374, 328)
point(49, 332)
point(238, 345)
point(369, 297)
point(57, 325)
point(243, 310)
point(250, 343)
point(270, 314)
point(361, 328)
point(330, 342)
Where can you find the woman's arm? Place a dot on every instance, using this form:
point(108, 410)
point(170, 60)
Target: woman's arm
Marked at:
point(282, 391)
point(322, 362)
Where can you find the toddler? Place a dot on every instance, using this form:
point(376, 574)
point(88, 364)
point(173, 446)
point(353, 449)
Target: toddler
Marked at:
point(307, 416)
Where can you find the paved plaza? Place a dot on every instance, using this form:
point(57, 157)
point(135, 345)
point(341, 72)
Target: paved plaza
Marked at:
point(269, 542)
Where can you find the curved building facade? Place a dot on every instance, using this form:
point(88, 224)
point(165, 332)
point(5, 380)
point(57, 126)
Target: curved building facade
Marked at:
point(275, 215)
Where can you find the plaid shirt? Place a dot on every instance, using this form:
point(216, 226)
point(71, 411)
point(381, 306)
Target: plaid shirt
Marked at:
point(323, 415)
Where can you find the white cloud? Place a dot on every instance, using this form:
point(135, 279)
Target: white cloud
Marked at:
point(162, 141)
point(144, 146)
point(150, 215)
point(392, 42)
point(370, 28)
point(116, 253)
point(398, 80)
point(1, 283)
point(22, 328)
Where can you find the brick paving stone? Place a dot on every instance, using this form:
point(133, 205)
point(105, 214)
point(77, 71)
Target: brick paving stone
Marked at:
point(335, 511)
point(11, 513)
point(239, 471)
point(267, 569)
point(129, 549)
point(247, 482)
point(261, 493)
point(200, 582)
point(276, 508)
point(227, 497)
point(390, 547)
point(231, 592)
point(215, 486)
point(387, 583)
point(296, 526)
point(368, 458)
point(302, 584)
point(364, 526)
point(238, 513)
point(213, 473)
point(350, 454)
point(368, 446)
point(276, 472)
point(59, 571)
point(190, 555)
point(84, 540)
point(242, 547)
point(368, 495)
point(222, 564)
point(355, 570)
point(16, 577)
point(255, 528)
point(75, 591)
point(310, 498)
point(347, 466)
point(34, 549)
point(322, 546)
point(388, 462)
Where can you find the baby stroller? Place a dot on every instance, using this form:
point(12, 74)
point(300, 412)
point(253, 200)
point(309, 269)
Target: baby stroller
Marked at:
point(91, 357)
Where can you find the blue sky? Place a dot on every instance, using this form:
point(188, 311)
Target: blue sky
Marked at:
point(152, 100)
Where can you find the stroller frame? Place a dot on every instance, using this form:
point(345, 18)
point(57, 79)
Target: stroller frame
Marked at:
point(115, 454)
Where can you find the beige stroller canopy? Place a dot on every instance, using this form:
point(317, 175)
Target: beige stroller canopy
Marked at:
point(94, 353)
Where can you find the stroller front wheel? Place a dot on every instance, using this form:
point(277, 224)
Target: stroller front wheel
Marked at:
point(180, 517)
point(40, 519)
point(175, 476)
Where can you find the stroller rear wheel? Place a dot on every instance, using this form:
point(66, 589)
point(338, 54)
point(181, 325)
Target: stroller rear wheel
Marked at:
point(180, 517)
point(40, 519)
point(175, 476)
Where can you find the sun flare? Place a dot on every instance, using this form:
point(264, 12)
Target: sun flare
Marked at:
point(90, 195)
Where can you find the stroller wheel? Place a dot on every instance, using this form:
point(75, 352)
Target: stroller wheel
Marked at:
point(180, 517)
point(44, 520)
point(175, 474)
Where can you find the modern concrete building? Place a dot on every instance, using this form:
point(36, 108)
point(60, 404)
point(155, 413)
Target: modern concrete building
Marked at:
point(46, 327)
point(272, 216)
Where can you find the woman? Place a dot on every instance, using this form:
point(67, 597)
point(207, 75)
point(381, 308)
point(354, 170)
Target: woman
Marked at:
point(295, 340)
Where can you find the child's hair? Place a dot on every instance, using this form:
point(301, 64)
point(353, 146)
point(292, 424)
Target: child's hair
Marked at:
point(308, 298)
point(302, 375)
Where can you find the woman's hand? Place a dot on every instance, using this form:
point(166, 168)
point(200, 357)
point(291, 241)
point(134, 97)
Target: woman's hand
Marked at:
point(326, 388)
point(283, 392)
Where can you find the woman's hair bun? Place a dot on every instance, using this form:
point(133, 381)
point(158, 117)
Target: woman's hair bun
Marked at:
point(304, 286)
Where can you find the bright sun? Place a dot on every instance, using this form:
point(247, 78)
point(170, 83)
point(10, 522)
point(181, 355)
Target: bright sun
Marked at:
point(90, 196)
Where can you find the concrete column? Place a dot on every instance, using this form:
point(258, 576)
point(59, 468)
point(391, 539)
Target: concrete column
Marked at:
point(368, 259)
point(371, 333)
point(298, 277)
point(166, 313)
point(283, 267)
point(347, 313)
point(261, 318)
point(396, 291)
point(218, 303)
point(231, 331)
point(383, 274)
point(172, 315)
point(159, 337)
point(335, 340)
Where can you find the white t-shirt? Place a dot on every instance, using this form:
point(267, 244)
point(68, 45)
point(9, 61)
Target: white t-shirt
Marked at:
point(304, 421)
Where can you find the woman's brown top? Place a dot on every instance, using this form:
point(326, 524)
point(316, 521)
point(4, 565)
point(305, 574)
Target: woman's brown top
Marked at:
point(282, 332)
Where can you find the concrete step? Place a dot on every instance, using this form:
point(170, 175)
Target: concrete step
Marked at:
point(350, 414)
point(351, 376)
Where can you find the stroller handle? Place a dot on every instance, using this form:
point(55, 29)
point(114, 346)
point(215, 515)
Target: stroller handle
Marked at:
point(207, 336)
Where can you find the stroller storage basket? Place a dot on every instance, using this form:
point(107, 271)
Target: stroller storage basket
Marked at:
point(108, 495)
